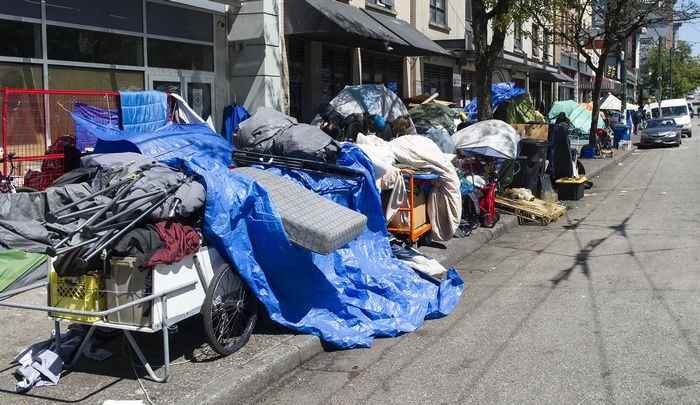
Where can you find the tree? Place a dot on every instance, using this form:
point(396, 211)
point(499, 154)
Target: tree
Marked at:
point(494, 17)
point(600, 29)
point(685, 70)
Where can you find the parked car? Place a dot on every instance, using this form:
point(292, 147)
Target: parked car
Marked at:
point(678, 110)
point(661, 131)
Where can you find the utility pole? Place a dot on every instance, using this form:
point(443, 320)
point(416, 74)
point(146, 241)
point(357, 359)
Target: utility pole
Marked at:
point(623, 73)
point(659, 72)
point(670, 61)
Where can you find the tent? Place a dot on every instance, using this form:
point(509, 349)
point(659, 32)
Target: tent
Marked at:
point(371, 99)
point(579, 115)
point(493, 138)
point(613, 103)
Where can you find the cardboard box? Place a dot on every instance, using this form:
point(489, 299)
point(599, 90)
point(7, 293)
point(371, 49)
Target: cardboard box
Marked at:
point(538, 132)
point(419, 211)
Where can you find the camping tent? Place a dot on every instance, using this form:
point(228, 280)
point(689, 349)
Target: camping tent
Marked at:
point(493, 138)
point(613, 103)
point(578, 114)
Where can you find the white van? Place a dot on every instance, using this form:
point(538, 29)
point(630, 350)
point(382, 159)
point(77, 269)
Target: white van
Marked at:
point(677, 109)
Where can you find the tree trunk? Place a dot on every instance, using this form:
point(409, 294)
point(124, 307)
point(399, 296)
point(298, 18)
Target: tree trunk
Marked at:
point(482, 88)
point(597, 84)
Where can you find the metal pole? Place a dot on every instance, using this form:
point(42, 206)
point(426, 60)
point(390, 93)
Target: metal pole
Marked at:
point(670, 62)
point(623, 73)
point(659, 76)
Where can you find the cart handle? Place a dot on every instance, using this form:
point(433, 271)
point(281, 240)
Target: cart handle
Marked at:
point(100, 314)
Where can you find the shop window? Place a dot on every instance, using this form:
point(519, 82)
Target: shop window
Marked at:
point(437, 79)
point(178, 55)
point(93, 46)
point(383, 69)
point(67, 77)
point(20, 39)
point(438, 12)
point(122, 15)
point(21, 8)
point(179, 22)
point(335, 71)
point(21, 76)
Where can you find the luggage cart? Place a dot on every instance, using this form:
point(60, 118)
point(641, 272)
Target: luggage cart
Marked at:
point(411, 230)
point(200, 283)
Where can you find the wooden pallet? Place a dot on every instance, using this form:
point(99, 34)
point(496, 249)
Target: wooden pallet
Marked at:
point(538, 211)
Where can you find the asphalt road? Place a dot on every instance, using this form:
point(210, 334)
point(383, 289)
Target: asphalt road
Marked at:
point(601, 307)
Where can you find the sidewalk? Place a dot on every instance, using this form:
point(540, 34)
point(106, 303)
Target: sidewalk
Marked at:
point(196, 376)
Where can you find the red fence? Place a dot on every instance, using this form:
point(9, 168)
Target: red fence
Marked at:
point(36, 125)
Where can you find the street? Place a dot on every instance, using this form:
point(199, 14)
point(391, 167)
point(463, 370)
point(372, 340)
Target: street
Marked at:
point(600, 307)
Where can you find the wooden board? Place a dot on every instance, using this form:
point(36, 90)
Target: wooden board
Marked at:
point(537, 211)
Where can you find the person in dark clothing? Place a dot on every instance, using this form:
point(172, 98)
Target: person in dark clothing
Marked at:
point(563, 119)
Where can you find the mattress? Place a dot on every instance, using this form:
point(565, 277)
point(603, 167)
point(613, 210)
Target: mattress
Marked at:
point(310, 220)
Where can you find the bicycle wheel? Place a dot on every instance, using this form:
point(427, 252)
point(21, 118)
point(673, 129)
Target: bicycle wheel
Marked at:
point(229, 311)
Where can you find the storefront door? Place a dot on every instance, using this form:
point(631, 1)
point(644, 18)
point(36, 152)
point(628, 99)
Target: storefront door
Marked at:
point(195, 88)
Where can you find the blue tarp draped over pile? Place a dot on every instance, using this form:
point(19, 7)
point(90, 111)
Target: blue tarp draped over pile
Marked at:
point(347, 297)
point(500, 93)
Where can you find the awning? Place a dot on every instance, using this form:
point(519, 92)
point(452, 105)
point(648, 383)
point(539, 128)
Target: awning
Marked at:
point(336, 22)
point(548, 76)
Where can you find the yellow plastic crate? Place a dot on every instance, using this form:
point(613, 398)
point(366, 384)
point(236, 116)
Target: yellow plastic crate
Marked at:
point(84, 293)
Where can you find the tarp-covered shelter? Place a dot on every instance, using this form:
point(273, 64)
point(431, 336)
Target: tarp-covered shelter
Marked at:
point(493, 138)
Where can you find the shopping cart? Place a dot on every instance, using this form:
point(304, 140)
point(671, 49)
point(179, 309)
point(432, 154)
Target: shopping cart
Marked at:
point(203, 283)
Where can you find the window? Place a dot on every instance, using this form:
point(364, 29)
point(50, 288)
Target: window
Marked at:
point(468, 11)
point(21, 76)
point(438, 12)
point(20, 39)
point(437, 79)
point(677, 111)
point(66, 77)
point(93, 46)
point(545, 44)
point(179, 22)
point(518, 36)
point(385, 4)
point(535, 41)
point(121, 15)
point(178, 55)
point(383, 69)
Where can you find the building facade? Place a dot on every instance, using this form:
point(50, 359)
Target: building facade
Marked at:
point(179, 46)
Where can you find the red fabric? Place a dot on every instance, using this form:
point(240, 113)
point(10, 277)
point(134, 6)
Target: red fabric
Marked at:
point(179, 240)
point(487, 205)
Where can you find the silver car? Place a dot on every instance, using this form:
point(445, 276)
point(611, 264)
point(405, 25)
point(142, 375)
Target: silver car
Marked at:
point(661, 131)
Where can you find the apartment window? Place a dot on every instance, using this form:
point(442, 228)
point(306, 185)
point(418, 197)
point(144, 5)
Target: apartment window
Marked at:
point(438, 12)
point(535, 41)
point(545, 44)
point(385, 4)
point(468, 10)
point(518, 36)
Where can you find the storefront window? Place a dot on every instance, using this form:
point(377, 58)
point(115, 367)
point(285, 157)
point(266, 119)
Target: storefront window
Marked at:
point(335, 71)
point(179, 22)
point(21, 76)
point(22, 8)
point(383, 69)
point(296, 56)
point(437, 79)
point(93, 46)
point(65, 77)
point(20, 39)
point(178, 55)
point(122, 15)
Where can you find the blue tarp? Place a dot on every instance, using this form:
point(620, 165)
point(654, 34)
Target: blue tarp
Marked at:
point(347, 297)
point(143, 111)
point(233, 116)
point(500, 93)
point(84, 138)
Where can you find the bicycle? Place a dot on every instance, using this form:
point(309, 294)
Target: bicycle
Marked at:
point(7, 185)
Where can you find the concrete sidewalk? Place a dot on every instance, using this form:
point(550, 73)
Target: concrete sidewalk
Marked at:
point(196, 375)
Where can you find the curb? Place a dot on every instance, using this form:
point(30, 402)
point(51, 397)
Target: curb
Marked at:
point(617, 159)
point(273, 364)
